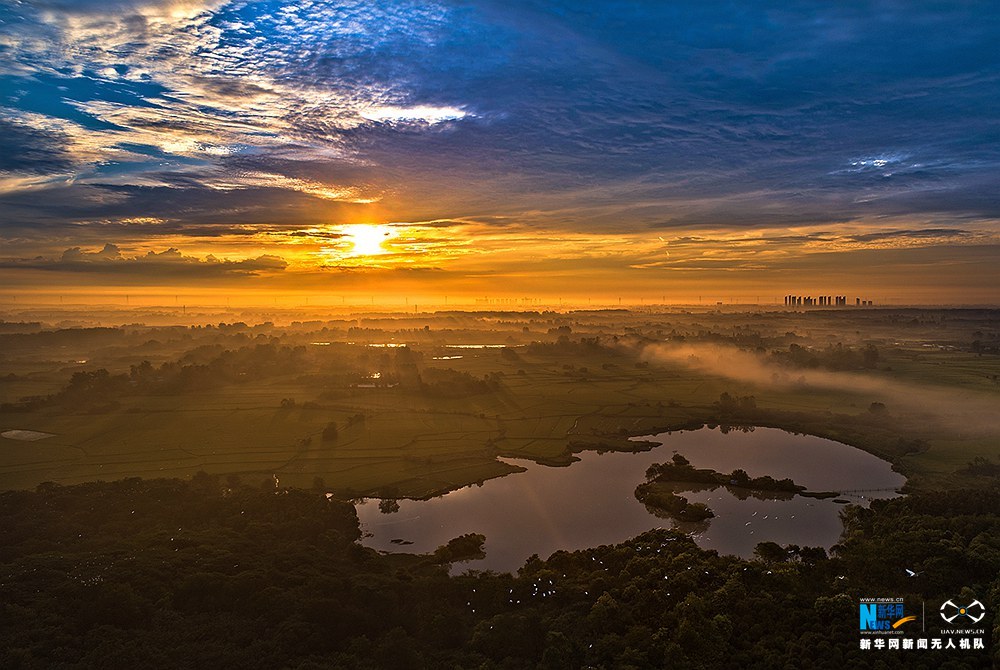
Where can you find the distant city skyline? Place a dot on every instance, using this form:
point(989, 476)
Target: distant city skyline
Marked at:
point(552, 150)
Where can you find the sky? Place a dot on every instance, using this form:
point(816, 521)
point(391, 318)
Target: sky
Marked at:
point(648, 151)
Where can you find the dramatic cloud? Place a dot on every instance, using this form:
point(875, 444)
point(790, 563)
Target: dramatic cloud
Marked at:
point(873, 122)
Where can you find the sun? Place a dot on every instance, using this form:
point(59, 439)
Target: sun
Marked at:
point(367, 239)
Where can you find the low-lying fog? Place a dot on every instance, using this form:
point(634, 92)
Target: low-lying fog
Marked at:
point(963, 411)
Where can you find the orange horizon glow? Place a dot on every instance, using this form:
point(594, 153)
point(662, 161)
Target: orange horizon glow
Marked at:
point(433, 262)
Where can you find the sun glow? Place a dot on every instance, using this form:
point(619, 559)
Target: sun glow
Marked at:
point(367, 240)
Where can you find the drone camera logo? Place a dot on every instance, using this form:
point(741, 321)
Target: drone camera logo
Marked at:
point(974, 611)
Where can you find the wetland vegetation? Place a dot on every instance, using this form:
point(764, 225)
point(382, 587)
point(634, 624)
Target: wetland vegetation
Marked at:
point(323, 398)
point(226, 450)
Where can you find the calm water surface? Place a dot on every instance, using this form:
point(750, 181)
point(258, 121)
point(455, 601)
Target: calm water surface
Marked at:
point(592, 501)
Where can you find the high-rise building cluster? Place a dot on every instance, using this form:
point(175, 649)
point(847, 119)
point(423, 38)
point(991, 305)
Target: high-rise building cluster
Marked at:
point(823, 301)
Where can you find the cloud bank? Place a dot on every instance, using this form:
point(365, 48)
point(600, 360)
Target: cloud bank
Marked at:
point(169, 263)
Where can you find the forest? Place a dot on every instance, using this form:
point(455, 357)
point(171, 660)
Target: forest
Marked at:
point(212, 572)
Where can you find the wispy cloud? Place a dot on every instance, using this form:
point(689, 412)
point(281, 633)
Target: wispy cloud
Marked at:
point(192, 82)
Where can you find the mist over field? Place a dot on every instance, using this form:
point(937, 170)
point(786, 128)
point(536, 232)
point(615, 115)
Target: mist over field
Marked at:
point(960, 410)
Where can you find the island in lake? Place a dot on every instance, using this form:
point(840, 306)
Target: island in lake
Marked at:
point(663, 480)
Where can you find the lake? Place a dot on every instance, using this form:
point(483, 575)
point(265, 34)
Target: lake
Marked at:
point(592, 502)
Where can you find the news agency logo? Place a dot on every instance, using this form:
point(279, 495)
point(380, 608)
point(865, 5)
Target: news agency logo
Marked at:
point(882, 614)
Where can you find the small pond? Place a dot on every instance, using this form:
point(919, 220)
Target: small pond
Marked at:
point(592, 501)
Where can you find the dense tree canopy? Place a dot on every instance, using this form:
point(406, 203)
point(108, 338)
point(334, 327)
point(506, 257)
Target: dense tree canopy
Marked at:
point(164, 573)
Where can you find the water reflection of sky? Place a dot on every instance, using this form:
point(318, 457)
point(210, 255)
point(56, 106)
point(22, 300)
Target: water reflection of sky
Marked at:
point(591, 502)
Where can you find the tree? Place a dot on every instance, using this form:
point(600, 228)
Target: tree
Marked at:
point(770, 552)
point(388, 506)
point(812, 555)
point(398, 651)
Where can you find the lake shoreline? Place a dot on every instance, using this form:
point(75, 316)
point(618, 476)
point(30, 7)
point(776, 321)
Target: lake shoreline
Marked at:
point(591, 502)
